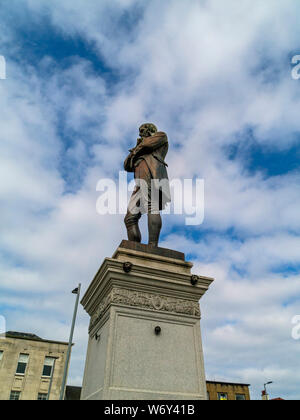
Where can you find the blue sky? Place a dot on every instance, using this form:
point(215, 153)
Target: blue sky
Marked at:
point(82, 75)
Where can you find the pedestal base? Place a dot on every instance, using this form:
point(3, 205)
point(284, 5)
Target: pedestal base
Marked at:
point(144, 335)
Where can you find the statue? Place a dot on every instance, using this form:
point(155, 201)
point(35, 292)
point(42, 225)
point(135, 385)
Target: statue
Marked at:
point(152, 190)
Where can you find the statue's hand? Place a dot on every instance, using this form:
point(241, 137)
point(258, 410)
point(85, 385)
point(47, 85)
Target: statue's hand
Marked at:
point(129, 162)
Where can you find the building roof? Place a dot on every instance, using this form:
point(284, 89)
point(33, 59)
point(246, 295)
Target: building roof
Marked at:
point(15, 334)
point(227, 383)
point(29, 336)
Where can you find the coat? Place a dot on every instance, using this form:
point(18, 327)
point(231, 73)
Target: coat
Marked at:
point(153, 151)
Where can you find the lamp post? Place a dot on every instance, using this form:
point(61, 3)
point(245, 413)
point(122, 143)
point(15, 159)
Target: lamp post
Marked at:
point(63, 385)
point(265, 394)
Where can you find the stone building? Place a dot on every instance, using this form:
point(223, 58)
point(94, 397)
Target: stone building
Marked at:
point(227, 391)
point(31, 368)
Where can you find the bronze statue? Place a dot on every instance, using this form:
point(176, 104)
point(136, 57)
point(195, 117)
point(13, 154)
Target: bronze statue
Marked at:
point(152, 191)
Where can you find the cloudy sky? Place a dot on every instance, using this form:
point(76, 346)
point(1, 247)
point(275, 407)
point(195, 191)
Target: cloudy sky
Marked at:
point(82, 75)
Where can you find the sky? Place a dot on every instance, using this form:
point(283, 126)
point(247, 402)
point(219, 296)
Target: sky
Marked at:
point(216, 76)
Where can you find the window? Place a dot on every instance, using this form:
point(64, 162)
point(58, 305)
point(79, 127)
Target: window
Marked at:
point(222, 396)
point(15, 395)
point(48, 366)
point(1, 355)
point(240, 397)
point(42, 396)
point(22, 364)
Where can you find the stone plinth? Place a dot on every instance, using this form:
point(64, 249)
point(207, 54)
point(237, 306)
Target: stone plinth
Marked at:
point(128, 357)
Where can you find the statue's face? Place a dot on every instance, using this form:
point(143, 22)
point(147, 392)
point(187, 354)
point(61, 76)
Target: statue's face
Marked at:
point(147, 130)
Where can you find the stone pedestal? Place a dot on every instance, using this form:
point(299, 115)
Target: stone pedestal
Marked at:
point(144, 334)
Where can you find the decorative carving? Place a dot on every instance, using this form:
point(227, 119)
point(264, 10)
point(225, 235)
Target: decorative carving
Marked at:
point(157, 330)
point(127, 267)
point(145, 300)
point(194, 280)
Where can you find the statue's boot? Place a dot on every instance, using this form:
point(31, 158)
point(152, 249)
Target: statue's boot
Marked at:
point(154, 228)
point(134, 233)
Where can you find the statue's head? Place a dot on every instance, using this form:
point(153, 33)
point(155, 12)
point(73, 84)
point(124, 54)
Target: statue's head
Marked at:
point(147, 130)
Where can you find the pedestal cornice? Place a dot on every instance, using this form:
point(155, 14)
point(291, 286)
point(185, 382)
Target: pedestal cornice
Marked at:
point(152, 286)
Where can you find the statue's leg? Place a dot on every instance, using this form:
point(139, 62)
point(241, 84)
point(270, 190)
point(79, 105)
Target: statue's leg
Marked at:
point(154, 228)
point(132, 225)
point(154, 217)
point(133, 216)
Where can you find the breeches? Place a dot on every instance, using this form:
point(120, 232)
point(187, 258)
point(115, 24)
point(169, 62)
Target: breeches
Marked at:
point(143, 200)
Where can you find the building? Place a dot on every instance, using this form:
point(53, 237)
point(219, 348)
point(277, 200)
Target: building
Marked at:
point(31, 368)
point(227, 391)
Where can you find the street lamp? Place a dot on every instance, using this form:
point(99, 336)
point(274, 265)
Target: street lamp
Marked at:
point(63, 385)
point(265, 392)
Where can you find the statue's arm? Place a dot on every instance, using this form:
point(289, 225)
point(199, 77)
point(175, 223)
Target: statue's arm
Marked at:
point(151, 143)
point(147, 145)
point(128, 164)
point(129, 161)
